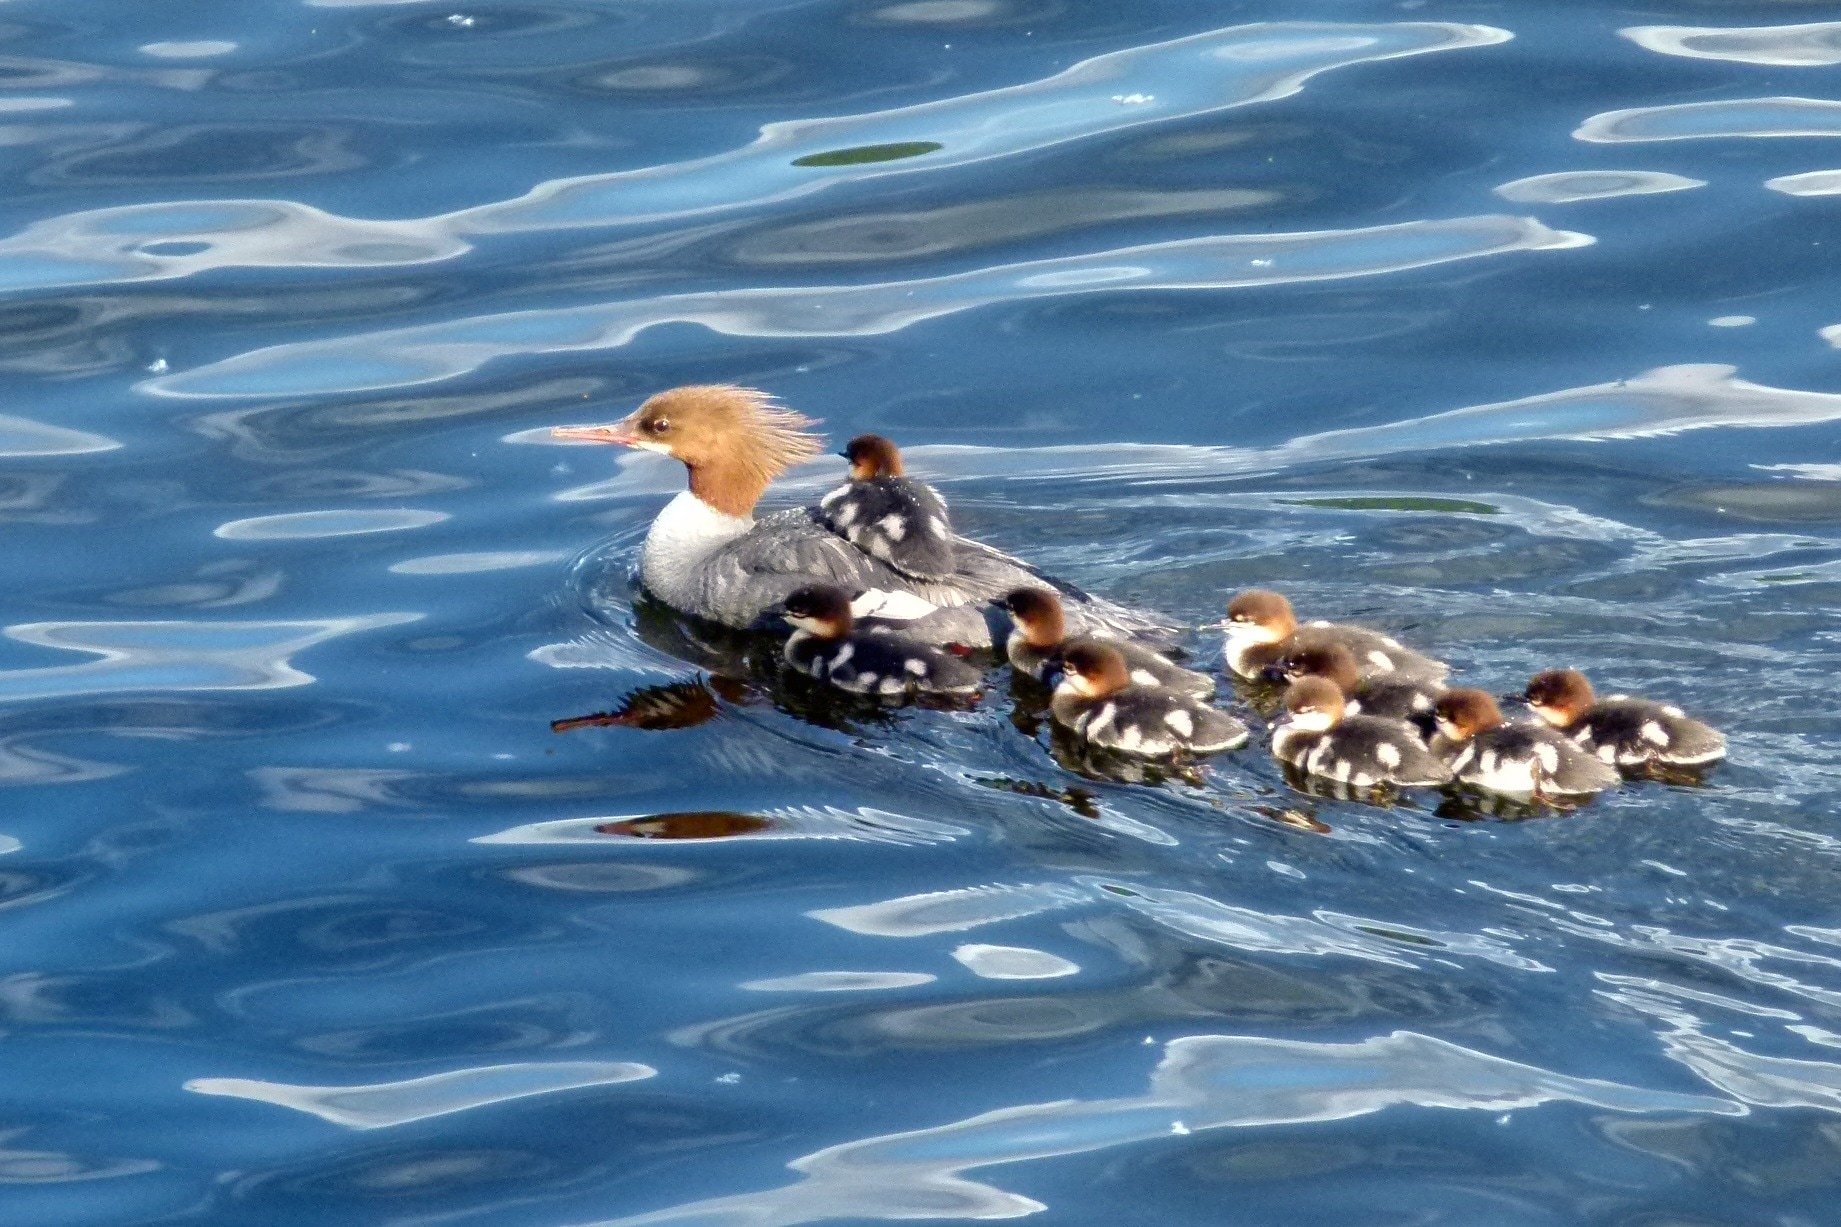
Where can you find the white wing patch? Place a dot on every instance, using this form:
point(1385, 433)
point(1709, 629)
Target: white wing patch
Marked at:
point(1144, 677)
point(893, 527)
point(1549, 756)
point(846, 514)
point(1654, 733)
point(1181, 721)
point(1387, 754)
point(916, 666)
point(1381, 660)
point(1101, 721)
point(898, 606)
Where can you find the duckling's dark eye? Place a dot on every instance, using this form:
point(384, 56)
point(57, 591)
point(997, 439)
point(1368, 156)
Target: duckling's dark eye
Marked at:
point(659, 426)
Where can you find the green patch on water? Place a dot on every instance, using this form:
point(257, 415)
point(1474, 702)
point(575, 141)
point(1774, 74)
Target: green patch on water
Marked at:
point(868, 153)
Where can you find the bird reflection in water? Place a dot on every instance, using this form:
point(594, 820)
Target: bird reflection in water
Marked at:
point(689, 824)
point(674, 705)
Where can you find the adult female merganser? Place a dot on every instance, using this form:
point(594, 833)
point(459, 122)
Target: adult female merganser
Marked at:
point(1098, 702)
point(1318, 737)
point(1520, 760)
point(826, 645)
point(1621, 730)
point(1261, 628)
point(889, 515)
point(1389, 696)
point(707, 556)
point(1041, 632)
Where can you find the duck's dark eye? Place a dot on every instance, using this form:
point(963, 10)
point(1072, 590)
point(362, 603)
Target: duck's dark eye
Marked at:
point(659, 426)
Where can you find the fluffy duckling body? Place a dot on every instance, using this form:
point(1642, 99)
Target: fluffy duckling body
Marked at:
point(889, 515)
point(1319, 737)
point(1262, 627)
point(1516, 760)
point(1388, 696)
point(826, 645)
point(1099, 703)
point(1040, 635)
point(1626, 732)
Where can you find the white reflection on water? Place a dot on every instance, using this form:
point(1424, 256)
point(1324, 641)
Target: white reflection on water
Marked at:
point(1686, 121)
point(1565, 187)
point(383, 1104)
point(1751, 1078)
point(1013, 962)
point(1202, 1082)
point(311, 525)
point(176, 655)
point(152, 242)
point(1813, 45)
point(949, 911)
point(430, 352)
point(24, 437)
point(1809, 183)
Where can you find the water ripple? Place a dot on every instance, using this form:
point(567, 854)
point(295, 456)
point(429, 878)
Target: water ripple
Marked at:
point(1816, 44)
point(384, 1104)
point(1809, 183)
point(315, 525)
point(176, 655)
point(1686, 121)
point(432, 352)
point(1179, 79)
point(1191, 76)
point(1203, 1082)
point(1565, 187)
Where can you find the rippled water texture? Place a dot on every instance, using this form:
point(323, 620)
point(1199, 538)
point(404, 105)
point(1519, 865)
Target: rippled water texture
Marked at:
point(1508, 327)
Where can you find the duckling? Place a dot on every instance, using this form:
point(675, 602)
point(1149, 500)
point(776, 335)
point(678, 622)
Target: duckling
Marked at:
point(1624, 731)
point(1261, 628)
point(1318, 736)
point(889, 515)
point(827, 645)
point(1098, 702)
point(1389, 696)
point(1041, 633)
point(1513, 759)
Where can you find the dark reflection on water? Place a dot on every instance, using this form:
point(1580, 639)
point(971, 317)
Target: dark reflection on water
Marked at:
point(1502, 328)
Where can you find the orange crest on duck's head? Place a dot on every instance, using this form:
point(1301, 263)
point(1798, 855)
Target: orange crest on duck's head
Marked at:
point(734, 440)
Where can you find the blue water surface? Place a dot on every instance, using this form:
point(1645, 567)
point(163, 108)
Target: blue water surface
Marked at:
point(1510, 327)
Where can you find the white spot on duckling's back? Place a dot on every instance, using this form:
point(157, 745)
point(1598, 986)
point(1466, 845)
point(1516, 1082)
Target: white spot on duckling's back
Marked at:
point(1181, 721)
point(1654, 733)
point(1381, 660)
point(893, 527)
